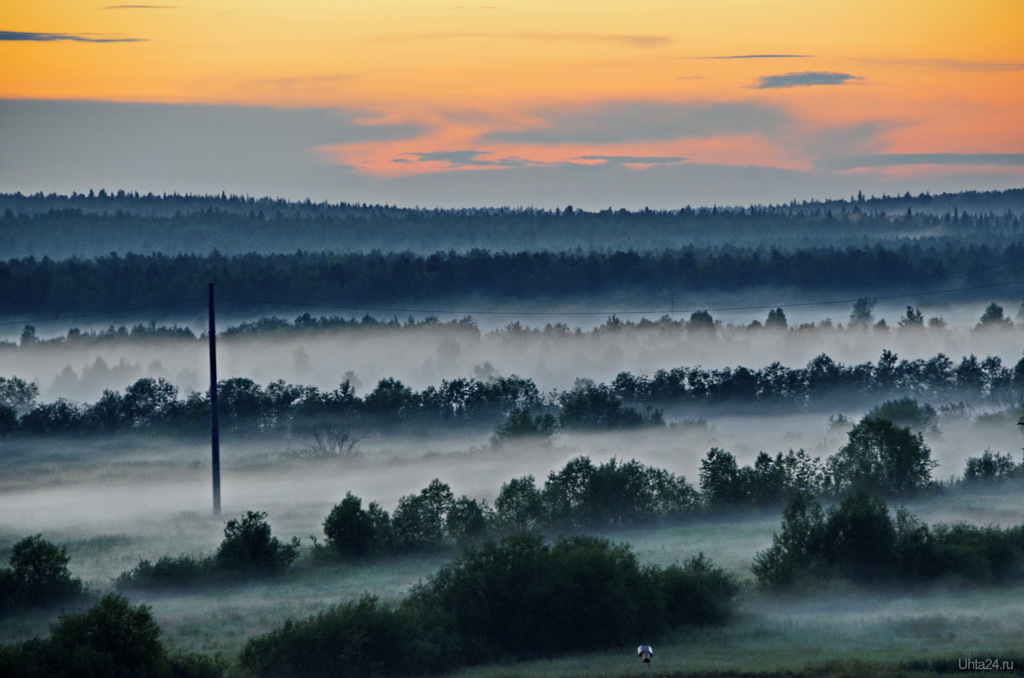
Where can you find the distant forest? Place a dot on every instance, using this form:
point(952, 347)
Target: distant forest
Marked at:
point(94, 224)
point(41, 287)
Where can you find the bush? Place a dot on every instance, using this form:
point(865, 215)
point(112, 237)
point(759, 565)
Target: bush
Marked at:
point(247, 550)
point(696, 593)
point(796, 551)
point(38, 575)
point(521, 424)
point(521, 597)
point(859, 541)
point(361, 638)
point(350, 530)
point(113, 639)
point(991, 466)
point(248, 547)
point(906, 412)
point(505, 600)
point(168, 572)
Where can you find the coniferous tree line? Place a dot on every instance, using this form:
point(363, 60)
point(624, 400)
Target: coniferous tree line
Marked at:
point(96, 224)
point(360, 280)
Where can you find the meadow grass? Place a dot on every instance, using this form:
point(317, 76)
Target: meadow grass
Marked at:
point(829, 630)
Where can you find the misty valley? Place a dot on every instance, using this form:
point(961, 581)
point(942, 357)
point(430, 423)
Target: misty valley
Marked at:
point(795, 467)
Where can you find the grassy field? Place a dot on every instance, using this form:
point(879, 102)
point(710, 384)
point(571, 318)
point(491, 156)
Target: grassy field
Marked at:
point(85, 502)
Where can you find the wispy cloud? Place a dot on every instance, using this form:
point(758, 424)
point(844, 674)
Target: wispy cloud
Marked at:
point(24, 36)
point(635, 159)
point(953, 64)
point(456, 159)
point(140, 7)
point(620, 122)
point(849, 162)
point(805, 79)
point(629, 40)
point(755, 56)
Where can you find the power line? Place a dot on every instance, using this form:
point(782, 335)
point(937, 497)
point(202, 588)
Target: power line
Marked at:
point(108, 312)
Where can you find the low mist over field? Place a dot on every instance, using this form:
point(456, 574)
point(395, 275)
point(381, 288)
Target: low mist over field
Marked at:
point(554, 352)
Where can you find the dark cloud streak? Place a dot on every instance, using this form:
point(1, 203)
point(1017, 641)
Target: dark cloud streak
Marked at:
point(456, 159)
point(805, 79)
point(24, 36)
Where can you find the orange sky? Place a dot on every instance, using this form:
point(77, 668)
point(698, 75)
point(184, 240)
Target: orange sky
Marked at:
point(535, 83)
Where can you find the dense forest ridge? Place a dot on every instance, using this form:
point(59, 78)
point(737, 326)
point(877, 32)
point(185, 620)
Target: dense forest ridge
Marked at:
point(979, 266)
point(100, 223)
point(103, 202)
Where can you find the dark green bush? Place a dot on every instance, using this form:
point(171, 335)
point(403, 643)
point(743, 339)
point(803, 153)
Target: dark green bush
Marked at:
point(521, 597)
point(113, 639)
point(991, 466)
point(248, 550)
point(859, 541)
point(168, 572)
point(906, 412)
point(38, 575)
point(502, 601)
point(696, 593)
point(519, 423)
point(349, 529)
point(362, 638)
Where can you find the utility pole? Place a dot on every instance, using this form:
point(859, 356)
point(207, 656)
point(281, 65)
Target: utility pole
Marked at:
point(214, 418)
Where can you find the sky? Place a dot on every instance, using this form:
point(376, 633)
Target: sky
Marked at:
point(518, 102)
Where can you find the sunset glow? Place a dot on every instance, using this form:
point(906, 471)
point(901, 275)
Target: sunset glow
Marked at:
point(799, 85)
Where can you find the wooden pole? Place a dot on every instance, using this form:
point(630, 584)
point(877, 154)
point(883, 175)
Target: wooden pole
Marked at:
point(214, 418)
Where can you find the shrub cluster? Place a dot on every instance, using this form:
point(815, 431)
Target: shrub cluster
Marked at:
point(879, 456)
point(992, 467)
point(512, 599)
point(248, 550)
point(38, 575)
point(113, 639)
point(860, 541)
point(580, 495)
